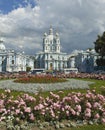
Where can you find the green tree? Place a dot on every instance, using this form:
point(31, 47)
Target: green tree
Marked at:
point(28, 69)
point(100, 49)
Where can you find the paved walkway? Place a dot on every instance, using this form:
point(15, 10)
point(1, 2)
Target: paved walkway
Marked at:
point(35, 87)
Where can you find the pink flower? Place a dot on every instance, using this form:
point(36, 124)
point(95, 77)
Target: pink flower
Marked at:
point(101, 97)
point(67, 113)
point(52, 113)
point(97, 116)
point(56, 105)
point(76, 99)
point(17, 111)
point(88, 114)
point(32, 117)
point(67, 107)
point(96, 105)
point(27, 109)
point(41, 106)
point(63, 109)
point(103, 120)
point(103, 114)
point(73, 112)
point(16, 101)
point(78, 108)
point(88, 105)
point(1, 102)
point(87, 110)
point(43, 111)
point(87, 95)
point(2, 118)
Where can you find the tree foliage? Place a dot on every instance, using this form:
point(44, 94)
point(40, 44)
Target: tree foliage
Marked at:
point(100, 45)
point(100, 49)
point(28, 69)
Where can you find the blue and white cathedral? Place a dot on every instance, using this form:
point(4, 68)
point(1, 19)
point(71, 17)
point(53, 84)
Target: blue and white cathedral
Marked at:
point(51, 58)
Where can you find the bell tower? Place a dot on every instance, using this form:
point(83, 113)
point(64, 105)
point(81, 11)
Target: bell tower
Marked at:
point(51, 42)
point(57, 39)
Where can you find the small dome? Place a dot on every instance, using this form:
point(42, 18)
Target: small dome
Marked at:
point(2, 46)
point(57, 34)
point(45, 34)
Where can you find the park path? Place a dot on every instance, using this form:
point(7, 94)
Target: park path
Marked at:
point(35, 87)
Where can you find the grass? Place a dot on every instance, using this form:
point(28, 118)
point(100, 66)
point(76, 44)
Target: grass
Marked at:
point(89, 127)
point(97, 85)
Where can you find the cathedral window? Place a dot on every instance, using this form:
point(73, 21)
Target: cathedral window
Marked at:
point(3, 60)
point(12, 61)
point(63, 66)
point(51, 42)
point(59, 66)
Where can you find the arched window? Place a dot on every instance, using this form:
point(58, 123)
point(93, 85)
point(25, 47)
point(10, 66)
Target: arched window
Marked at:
point(12, 61)
point(51, 66)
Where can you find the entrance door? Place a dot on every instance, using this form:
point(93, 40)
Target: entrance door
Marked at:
point(51, 66)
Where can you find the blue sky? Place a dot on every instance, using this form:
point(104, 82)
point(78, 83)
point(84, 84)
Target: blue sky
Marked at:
point(9, 5)
point(23, 23)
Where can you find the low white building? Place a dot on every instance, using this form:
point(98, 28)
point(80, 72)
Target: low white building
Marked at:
point(13, 62)
point(84, 61)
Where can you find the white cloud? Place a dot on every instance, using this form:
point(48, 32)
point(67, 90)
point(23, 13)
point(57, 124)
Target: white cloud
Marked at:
point(77, 21)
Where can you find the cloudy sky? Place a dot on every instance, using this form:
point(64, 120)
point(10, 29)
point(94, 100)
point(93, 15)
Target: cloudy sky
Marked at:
point(23, 22)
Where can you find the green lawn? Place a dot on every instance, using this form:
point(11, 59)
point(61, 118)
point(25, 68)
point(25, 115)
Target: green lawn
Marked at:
point(90, 127)
point(97, 85)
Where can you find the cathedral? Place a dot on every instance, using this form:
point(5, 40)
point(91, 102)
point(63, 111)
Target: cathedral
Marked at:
point(51, 58)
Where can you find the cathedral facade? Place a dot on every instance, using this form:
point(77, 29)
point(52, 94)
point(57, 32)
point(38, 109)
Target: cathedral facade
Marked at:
point(51, 58)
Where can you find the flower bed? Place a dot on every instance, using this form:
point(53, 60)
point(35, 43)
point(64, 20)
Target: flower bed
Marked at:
point(75, 106)
point(83, 76)
point(40, 79)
